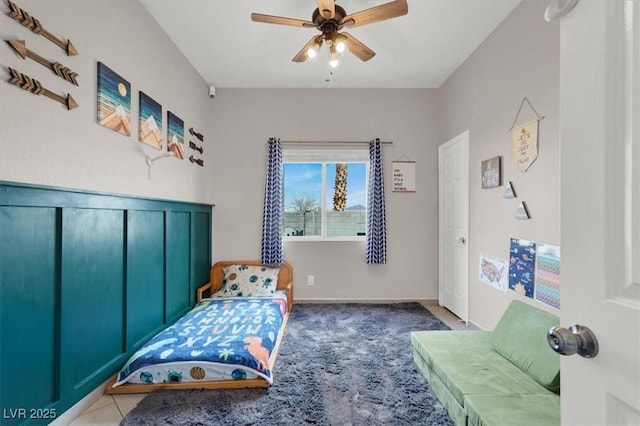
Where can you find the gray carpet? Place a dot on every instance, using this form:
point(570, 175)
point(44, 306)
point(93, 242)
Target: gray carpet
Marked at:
point(339, 364)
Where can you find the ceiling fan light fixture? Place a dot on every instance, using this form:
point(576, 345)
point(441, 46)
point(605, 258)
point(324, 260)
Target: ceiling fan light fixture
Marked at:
point(340, 43)
point(312, 51)
point(329, 19)
point(334, 61)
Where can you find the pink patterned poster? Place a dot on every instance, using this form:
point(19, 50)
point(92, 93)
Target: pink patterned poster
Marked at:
point(547, 288)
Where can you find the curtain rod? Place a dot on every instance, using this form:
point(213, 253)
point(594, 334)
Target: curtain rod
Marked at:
point(335, 142)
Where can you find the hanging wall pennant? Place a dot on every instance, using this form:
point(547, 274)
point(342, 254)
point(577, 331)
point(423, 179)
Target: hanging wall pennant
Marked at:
point(404, 176)
point(524, 139)
point(524, 145)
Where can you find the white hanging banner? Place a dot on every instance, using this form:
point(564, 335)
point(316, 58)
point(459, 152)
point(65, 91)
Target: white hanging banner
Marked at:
point(524, 144)
point(404, 176)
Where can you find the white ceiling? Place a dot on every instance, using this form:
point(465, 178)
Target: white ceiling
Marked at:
point(418, 50)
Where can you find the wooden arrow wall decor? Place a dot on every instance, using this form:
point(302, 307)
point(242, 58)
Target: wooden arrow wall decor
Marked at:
point(34, 25)
point(196, 134)
point(32, 85)
point(196, 147)
point(198, 161)
point(60, 70)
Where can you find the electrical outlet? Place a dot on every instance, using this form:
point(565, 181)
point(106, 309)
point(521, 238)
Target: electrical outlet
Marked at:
point(310, 280)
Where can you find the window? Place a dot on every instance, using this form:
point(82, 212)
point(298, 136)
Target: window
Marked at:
point(325, 193)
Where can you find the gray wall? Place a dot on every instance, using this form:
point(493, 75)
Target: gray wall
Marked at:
point(245, 119)
point(43, 143)
point(520, 58)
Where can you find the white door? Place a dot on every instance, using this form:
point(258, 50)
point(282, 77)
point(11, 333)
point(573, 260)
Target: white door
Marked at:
point(600, 209)
point(453, 172)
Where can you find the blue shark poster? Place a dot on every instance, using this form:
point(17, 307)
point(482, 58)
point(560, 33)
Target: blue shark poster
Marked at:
point(522, 262)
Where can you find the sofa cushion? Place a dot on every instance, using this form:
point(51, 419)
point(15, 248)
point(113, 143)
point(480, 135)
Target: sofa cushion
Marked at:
point(518, 409)
point(466, 364)
point(453, 406)
point(520, 337)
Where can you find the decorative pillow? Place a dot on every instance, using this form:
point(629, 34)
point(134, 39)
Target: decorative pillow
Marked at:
point(248, 281)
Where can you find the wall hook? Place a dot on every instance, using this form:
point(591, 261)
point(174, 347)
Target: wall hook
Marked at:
point(558, 8)
point(150, 160)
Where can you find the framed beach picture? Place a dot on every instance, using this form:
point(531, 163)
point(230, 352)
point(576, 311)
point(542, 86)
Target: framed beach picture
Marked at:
point(114, 101)
point(175, 135)
point(491, 176)
point(150, 122)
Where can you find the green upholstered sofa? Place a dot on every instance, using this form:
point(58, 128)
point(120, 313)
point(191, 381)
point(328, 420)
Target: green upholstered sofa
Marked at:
point(508, 376)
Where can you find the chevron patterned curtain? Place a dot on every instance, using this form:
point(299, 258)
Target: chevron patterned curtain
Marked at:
point(376, 220)
point(272, 219)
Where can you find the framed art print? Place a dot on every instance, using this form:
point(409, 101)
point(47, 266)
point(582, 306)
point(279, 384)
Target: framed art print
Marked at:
point(175, 135)
point(150, 121)
point(114, 101)
point(491, 173)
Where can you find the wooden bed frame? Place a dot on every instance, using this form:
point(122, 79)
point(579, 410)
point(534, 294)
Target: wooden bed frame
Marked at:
point(285, 282)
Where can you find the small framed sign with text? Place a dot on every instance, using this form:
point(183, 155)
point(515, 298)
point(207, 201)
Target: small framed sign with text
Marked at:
point(404, 176)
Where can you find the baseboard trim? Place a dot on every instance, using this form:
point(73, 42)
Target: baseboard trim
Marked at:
point(473, 326)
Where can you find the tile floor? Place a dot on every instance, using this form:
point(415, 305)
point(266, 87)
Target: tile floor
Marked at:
point(109, 410)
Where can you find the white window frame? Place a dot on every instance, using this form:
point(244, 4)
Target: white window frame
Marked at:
point(308, 153)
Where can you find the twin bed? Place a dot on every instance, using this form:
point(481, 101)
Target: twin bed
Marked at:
point(228, 340)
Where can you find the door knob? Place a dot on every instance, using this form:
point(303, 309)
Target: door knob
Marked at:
point(576, 339)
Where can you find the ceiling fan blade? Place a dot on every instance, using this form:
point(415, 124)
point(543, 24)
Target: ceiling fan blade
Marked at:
point(270, 19)
point(327, 8)
point(301, 56)
point(356, 47)
point(376, 14)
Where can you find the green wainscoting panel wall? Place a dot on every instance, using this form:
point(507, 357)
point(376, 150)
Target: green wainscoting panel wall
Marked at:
point(86, 278)
point(200, 264)
point(92, 285)
point(30, 273)
point(145, 265)
point(178, 263)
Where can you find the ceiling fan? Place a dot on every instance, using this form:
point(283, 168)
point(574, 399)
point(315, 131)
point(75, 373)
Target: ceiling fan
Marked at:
point(329, 19)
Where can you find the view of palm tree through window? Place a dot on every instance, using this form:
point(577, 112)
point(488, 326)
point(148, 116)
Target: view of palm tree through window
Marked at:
point(337, 189)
